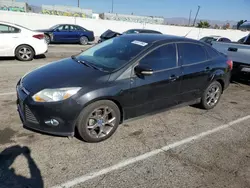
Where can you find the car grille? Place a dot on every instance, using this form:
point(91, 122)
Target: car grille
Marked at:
point(29, 116)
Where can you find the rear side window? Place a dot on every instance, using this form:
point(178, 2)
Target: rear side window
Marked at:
point(191, 53)
point(161, 58)
point(8, 29)
point(212, 53)
point(225, 40)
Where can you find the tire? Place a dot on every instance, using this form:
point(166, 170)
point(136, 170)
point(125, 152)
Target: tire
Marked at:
point(92, 120)
point(84, 40)
point(24, 53)
point(213, 90)
point(47, 39)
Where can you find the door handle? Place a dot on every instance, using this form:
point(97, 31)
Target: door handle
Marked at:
point(230, 49)
point(207, 69)
point(173, 78)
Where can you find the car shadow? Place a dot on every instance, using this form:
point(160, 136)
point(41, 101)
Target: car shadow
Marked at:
point(43, 56)
point(7, 58)
point(54, 43)
point(8, 177)
point(243, 79)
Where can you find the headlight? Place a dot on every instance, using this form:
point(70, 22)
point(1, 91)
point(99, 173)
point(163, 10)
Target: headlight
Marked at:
point(54, 95)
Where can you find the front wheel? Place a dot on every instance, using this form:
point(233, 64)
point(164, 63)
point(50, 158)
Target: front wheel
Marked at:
point(211, 96)
point(24, 53)
point(98, 121)
point(47, 39)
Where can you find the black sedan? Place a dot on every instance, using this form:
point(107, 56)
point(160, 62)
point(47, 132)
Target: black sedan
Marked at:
point(120, 79)
point(68, 33)
point(111, 34)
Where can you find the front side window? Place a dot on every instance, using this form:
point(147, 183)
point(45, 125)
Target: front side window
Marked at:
point(114, 53)
point(191, 53)
point(63, 28)
point(161, 58)
point(8, 29)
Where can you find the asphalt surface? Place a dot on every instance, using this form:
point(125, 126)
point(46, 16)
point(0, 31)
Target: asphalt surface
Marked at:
point(149, 152)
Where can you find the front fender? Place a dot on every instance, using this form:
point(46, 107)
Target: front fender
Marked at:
point(118, 92)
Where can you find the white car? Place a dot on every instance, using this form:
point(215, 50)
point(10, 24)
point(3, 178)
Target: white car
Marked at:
point(20, 42)
point(212, 38)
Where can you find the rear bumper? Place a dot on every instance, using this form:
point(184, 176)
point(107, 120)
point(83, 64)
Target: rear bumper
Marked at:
point(91, 38)
point(42, 48)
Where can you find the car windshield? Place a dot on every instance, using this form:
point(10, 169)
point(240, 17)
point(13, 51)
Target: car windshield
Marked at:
point(53, 27)
point(113, 53)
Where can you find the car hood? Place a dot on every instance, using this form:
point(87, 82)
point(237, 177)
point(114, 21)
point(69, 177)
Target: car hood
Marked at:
point(63, 73)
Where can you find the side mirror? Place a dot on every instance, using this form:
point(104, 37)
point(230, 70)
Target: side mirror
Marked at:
point(143, 70)
point(57, 30)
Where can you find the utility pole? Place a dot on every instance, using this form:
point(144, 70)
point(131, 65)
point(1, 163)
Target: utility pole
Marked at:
point(196, 15)
point(189, 17)
point(112, 6)
point(78, 3)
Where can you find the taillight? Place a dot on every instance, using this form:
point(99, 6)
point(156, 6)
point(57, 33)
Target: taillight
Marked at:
point(230, 64)
point(39, 36)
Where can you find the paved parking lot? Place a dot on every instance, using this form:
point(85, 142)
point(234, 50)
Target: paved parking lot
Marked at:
point(186, 147)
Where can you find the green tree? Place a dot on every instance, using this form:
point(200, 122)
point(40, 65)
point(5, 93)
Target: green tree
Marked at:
point(203, 24)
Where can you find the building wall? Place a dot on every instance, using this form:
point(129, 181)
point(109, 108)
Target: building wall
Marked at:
point(66, 11)
point(41, 21)
point(13, 6)
point(132, 18)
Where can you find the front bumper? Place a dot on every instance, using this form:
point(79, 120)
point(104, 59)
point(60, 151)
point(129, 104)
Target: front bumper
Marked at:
point(34, 115)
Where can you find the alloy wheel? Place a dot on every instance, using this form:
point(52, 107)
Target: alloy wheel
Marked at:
point(213, 95)
point(47, 39)
point(101, 122)
point(25, 53)
point(84, 40)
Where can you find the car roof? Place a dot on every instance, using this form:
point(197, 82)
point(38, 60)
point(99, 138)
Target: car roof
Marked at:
point(153, 38)
point(9, 23)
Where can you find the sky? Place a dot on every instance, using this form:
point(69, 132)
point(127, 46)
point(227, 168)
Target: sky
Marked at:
point(210, 9)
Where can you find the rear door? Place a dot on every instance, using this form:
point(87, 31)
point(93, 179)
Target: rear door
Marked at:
point(196, 69)
point(161, 89)
point(74, 33)
point(9, 37)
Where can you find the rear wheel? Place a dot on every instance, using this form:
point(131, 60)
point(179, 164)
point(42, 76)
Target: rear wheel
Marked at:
point(84, 40)
point(24, 53)
point(98, 121)
point(211, 96)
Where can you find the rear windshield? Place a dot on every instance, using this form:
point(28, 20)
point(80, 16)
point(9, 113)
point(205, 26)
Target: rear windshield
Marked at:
point(211, 52)
point(23, 27)
point(113, 53)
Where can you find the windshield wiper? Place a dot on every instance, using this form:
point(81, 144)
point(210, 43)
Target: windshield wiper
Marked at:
point(86, 64)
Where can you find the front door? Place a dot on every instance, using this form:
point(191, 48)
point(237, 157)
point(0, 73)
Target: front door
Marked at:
point(61, 34)
point(159, 90)
point(196, 68)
